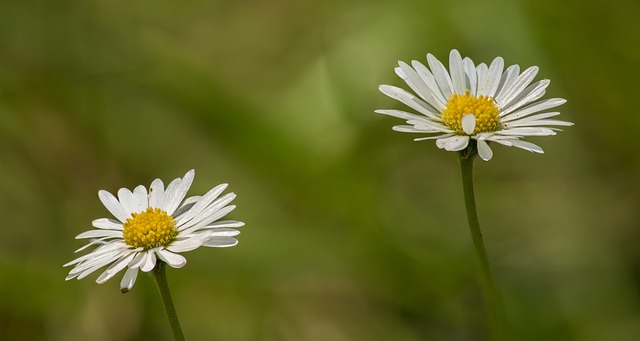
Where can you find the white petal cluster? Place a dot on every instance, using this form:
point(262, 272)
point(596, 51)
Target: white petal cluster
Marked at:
point(197, 220)
point(521, 112)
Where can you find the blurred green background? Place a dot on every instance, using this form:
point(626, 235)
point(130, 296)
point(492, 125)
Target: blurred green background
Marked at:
point(353, 231)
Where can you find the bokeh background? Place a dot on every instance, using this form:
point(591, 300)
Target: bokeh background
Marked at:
point(353, 231)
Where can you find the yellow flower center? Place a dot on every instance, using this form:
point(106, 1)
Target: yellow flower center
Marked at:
point(150, 228)
point(483, 108)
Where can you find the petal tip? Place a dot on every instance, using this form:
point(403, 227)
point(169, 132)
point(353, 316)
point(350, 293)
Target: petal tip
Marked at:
point(484, 151)
point(468, 123)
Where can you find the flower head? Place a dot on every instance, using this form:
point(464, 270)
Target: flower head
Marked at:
point(481, 102)
point(155, 224)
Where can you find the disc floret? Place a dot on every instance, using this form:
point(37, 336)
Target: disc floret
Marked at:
point(483, 108)
point(150, 228)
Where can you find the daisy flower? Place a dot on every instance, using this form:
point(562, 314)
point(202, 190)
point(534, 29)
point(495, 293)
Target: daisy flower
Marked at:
point(153, 225)
point(483, 103)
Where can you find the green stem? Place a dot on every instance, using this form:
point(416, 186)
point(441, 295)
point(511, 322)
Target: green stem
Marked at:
point(497, 316)
point(159, 274)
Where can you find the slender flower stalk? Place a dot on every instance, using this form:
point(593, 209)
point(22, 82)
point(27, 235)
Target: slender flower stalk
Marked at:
point(160, 275)
point(497, 316)
point(464, 109)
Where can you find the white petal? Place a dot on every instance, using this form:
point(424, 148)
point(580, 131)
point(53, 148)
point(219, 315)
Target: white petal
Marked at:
point(128, 201)
point(508, 143)
point(527, 146)
point(221, 242)
point(149, 263)
point(93, 268)
point(222, 232)
point(114, 268)
point(508, 78)
point(206, 220)
point(141, 198)
point(186, 245)
point(533, 108)
point(503, 140)
point(528, 95)
point(441, 76)
point(204, 201)
point(411, 118)
point(128, 280)
point(518, 85)
point(87, 268)
point(533, 117)
point(174, 260)
point(209, 211)
point(432, 137)
point(175, 197)
point(456, 69)
point(527, 131)
point(103, 259)
point(424, 128)
point(412, 129)
point(170, 191)
point(226, 223)
point(453, 143)
point(92, 243)
point(138, 260)
point(400, 114)
point(526, 122)
point(471, 76)
point(186, 205)
point(492, 80)
point(191, 200)
point(468, 123)
point(105, 223)
point(99, 234)
point(481, 70)
point(410, 100)
point(439, 101)
point(416, 84)
point(103, 249)
point(425, 87)
point(113, 205)
point(484, 151)
point(430, 125)
point(156, 194)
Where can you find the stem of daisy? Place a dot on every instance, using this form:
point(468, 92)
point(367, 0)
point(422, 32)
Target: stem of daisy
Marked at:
point(497, 316)
point(159, 274)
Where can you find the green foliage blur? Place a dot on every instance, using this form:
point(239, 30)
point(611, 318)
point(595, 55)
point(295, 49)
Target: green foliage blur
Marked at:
point(353, 231)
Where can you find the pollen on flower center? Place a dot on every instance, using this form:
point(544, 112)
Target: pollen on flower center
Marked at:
point(483, 108)
point(150, 228)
